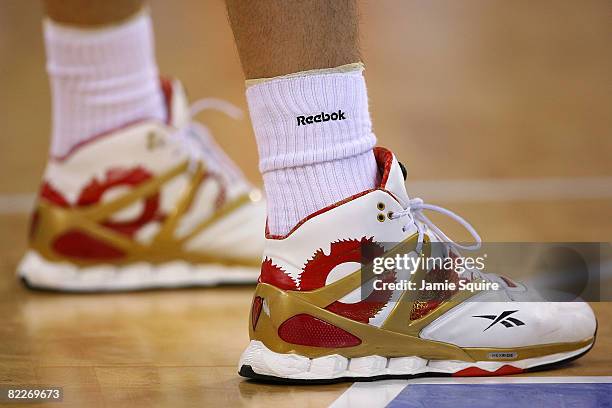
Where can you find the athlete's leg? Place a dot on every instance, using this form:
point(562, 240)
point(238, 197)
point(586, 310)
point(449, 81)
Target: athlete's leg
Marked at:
point(312, 125)
point(91, 13)
point(135, 194)
point(102, 69)
point(280, 37)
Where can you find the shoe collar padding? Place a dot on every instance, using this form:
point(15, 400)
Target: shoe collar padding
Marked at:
point(392, 181)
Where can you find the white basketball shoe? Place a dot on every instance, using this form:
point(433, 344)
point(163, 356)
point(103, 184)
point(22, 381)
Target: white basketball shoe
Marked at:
point(141, 208)
point(310, 322)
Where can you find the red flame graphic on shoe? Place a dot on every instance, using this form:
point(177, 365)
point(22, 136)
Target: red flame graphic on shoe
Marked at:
point(92, 194)
point(318, 268)
point(276, 276)
point(316, 271)
point(78, 243)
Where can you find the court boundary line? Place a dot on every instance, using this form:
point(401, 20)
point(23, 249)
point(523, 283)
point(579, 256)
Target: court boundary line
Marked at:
point(360, 394)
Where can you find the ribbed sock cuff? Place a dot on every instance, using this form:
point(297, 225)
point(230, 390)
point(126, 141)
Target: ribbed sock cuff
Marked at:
point(308, 119)
point(101, 79)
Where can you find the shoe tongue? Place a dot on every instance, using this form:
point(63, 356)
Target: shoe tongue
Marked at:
point(176, 102)
point(393, 175)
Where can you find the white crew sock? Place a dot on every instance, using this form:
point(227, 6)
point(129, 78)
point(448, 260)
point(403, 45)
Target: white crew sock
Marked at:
point(315, 140)
point(101, 79)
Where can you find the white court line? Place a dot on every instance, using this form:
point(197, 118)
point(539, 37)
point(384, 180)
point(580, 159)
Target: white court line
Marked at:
point(381, 393)
point(512, 189)
point(476, 190)
point(16, 203)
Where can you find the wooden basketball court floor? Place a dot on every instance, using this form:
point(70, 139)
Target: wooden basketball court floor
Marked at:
point(501, 111)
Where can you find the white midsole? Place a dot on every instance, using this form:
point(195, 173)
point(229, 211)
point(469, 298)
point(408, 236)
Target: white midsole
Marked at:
point(264, 361)
point(41, 273)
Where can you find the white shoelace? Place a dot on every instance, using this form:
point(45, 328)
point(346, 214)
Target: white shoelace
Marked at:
point(194, 134)
point(415, 215)
point(414, 212)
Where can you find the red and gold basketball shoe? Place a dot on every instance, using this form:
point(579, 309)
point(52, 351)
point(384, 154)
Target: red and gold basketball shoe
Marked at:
point(141, 208)
point(311, 322)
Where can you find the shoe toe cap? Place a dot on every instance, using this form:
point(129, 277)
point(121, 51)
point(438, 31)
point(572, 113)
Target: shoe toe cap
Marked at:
point(578, 319)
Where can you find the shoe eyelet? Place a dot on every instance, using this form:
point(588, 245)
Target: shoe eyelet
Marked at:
point(380, 217)
point(380, 206)
point(390, 215)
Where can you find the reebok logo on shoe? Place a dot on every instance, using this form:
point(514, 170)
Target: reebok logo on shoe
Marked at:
point(321, 117)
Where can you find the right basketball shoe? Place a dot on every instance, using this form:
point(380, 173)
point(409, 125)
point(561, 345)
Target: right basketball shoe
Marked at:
point(145, 206)
point(311, 322)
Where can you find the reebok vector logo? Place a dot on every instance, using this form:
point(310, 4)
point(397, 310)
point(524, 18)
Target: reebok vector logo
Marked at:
point(503, 319)
point(321, 117)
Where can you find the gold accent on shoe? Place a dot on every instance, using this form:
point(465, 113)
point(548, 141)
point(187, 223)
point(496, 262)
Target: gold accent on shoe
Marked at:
point(53, 220)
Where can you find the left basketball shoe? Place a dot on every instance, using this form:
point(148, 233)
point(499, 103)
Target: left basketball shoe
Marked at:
point(142, 207)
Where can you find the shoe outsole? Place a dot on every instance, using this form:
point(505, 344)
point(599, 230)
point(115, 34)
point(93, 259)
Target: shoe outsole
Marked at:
point(44, 289)
point(248, 372)
point(38, 274)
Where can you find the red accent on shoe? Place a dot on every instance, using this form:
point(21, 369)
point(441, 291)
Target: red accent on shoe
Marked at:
point(318, 268)
point(51, 194)
point(361, 311)
point(93, 192)
point(276, 276)
point(256, 310)
point(384, 159)
point(307, 330)
point(479, 372)
point(167, 89)
point(77, 244)
point(508, 282)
